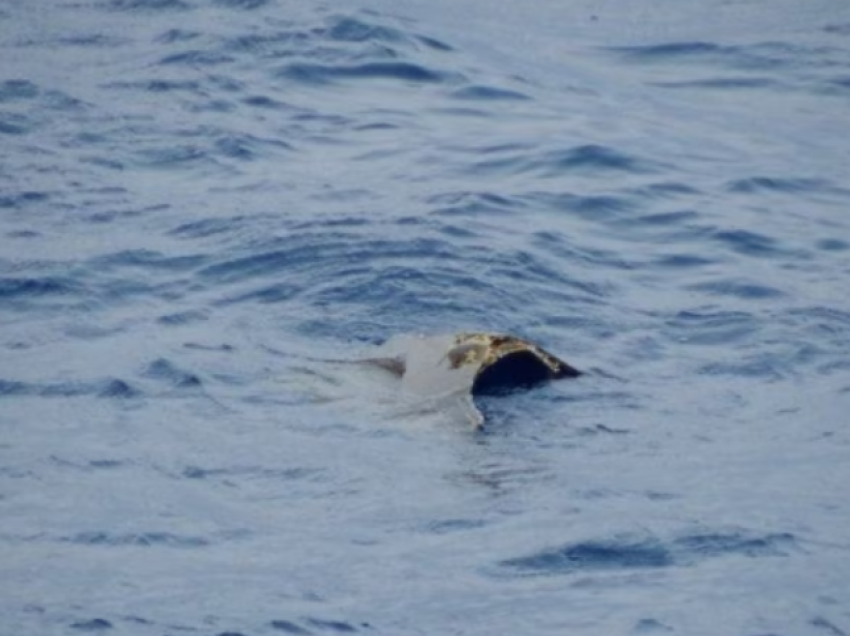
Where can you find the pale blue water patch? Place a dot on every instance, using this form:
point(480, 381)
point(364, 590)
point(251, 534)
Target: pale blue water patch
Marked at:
point(201, 203)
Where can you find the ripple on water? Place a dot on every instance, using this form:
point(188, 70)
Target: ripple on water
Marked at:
point(142, 539)
point(787, 185)
point(738, 287)
point(107, 388)
point(628, 553)
point(592, 160)
point(712, 328)
point(92, 625)
point(149, 5)
point(166, 371)
point(398, 71)
point(488, 93)
point(21, 289)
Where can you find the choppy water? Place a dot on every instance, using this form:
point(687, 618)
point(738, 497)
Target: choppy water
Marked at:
point(199, 198)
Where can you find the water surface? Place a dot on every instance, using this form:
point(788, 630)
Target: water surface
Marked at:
point(199, 200)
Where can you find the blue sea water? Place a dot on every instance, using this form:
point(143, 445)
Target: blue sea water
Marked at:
point(199, 197)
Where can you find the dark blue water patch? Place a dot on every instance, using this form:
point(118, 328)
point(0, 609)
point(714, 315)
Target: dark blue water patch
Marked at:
point(16, 124)
point(589, 159)
point(194, 472)
point(108, 388)
point(147, 260)
point(245, 5)
point(340, 627)
point(247, 147)
point(269, 294)
point(57, 100)
point(270, 103)
point(143, 539)
point(94, 40)
point(721, 83)
point(120, 213)
point(17, 90)
point(594, 555)
point(787, 185)
point(842, 83)
point(650, 626)
point(488, 93)
point(666, 219)
point(462, 111)
point(195, 346)
point(594, 157)
point(23, 234)
point(171, 156)
point(433, 43)
point(136, 620)
point(326, 121)
point(22, 199)
point(842, 28)
point(227, 83)
point(246, 267)
point(196, 58)
point(183, 318)
point(824, 320)
point(154, 86)
point(278, 44)
point(288, 627)
point(488, 149)
point(737, 289)
point(320, 74)
point(162, 369)
point(118, 389)
point(682, 261)
point(666, 51)
point(148, 5)
point(225, 474)
point(698, 546)
point(177, 35)
point(346, 220)
point(449, 526)
point(14, 288)
point(765, 56)
point(666, 190)
point(821, 623)
point(349, 29)
point(93, 625)
point(13, 387)
point(750, 243)
point(103, 162)
point(599, 429)
point(629, 553)
point(107, 464)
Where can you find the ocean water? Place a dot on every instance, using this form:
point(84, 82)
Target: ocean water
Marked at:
point(201, 201)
